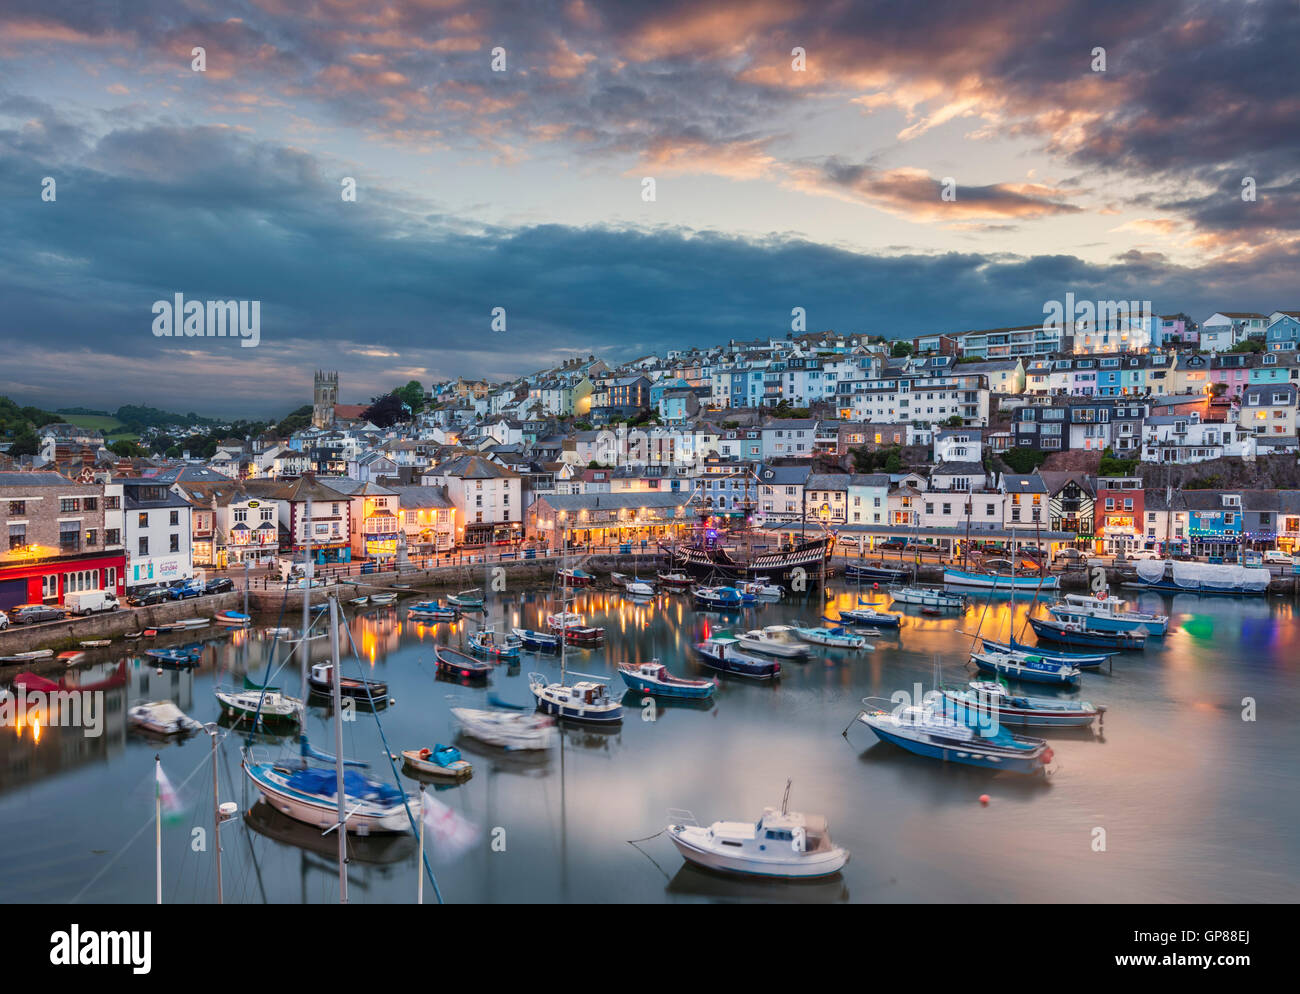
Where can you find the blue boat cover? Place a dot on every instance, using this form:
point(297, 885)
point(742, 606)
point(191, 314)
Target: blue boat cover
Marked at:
point(445, 755)
point(322, 783)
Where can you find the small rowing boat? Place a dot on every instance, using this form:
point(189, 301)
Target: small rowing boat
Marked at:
point(162, 718)
point(22, 657)
point(382, 599)
point(467, 599)
point(442, 763)
point(95, 643)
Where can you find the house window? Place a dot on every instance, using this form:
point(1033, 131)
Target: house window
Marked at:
point(112, 536)
point(17, 536)
point(69, 536)
point(69, 504)
point(144, 546)
point(175, 543)
point(17, 507)
point(143, 519)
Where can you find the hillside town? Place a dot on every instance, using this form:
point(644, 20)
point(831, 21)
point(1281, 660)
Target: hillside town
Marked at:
point(1160, 438)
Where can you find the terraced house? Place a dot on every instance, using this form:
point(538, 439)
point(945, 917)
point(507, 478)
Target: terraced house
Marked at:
point(60, 537)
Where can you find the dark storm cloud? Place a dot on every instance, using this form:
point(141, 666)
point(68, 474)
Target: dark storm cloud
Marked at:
point(378, 287)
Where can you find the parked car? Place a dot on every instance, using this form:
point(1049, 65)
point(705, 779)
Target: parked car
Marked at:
point(4, 621)
point(1140, 554)
point(87, 602)
point(184, 591)
point(1277, 556)
point(30, 614)
point(151, 595)
point(893, 544)
point(219, 585)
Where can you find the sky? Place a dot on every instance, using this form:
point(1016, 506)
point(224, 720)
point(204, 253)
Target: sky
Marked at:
point(891, 168)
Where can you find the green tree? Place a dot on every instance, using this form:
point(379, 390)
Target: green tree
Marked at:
point(900, 349)
point(1249, 345)
point(412, 396)
point(25, 443)
point(893, 462)
point(1024, 460)
point(127, 449)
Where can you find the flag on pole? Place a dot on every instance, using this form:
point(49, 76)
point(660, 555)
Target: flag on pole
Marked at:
point(452, 835)
point(172, 808)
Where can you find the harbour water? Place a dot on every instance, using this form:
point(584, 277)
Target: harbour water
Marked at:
point(1176, 798)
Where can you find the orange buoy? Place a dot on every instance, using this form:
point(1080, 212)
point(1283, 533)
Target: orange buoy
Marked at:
point(984, 799)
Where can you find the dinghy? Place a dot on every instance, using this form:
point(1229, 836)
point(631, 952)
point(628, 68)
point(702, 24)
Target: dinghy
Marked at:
point(870, 616)
point(94, 643)
point(674, 581)
point(431, 611)
point(231, 618)
point(382, 599)
point(266, 704)
point(471, 599)
point(718, 599)
point(23, 657)
point(1074, 634)
point(442, 763)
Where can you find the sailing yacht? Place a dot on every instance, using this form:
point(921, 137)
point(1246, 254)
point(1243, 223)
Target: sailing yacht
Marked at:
point(587, 701)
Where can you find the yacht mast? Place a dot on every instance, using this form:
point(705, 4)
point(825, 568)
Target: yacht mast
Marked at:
point(338, 750)
point(306, 601)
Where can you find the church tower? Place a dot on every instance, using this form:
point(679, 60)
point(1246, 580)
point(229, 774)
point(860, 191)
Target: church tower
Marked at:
point(324, 397)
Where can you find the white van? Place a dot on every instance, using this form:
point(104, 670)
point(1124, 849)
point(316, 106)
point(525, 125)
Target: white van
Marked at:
point(85, 602)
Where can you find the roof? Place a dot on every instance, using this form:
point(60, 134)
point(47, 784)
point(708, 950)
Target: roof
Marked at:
point(472, 468)
point(41, 479)
point(355, 488)
point(967, 468)
point(414, 496)
point(587, 502)
point(1019, 483)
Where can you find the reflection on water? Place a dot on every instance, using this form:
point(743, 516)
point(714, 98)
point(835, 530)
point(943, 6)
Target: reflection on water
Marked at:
point(1196, 804)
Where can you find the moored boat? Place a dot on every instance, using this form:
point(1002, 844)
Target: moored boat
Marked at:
point(509, 728)
point(575, 632)
point(782, 844)
point(267, 705)
point(718, 598)
point(674, 581)
point(927, 731)
point(359, 601)
point(228, 618)
point(310, 794)
point(875, 573)
point(1074, 634)
point(574, 577)
point(22, 657)
point(162, 718)
point(537, 641)
point(835, 638)
point(871, 617)
point(1032, 669)
point(722, 652)
point(654, 679)
point(173, 657)
point(463, 667)
point(1108, 614)
point(982, 698)
point(321, 681)
point(383, 598)
point(994, 582)
point(487, 642)
point(586, 701)
point(762, 590)
point(471, 599)
point(941, 600)
point(1083, 660)
point(775, 640)
point(431, 611)
point(442, 763)
point(94, 643)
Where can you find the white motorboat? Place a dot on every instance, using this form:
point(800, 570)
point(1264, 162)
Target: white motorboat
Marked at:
point(162, 718)
point(508, 729)
point(784, 844)
point(758, 588)
point(775, 640)
point(639, 588)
